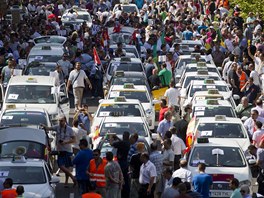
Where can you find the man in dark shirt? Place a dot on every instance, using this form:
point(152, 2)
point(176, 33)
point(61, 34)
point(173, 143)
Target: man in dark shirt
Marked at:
point(250, 90)
point(123, 147)
point(181, 127)
point(154, 79)
point(234, 79)
point(134, 170)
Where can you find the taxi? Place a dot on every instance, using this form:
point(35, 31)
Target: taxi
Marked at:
point(118, 125)
point(204, 85)
point(37, 92)
point(212, 94)
point(124, 64)
point(32, 174)
point(119, 106)
point(210, 108)
point(224, 161)
point(131, 91)
point(128, 49)
point(127, 7)
point(219, 127)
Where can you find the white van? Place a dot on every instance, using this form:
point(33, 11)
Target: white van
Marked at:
point(37, 92)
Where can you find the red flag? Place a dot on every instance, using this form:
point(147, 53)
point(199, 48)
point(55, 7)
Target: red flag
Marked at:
point(96, 57)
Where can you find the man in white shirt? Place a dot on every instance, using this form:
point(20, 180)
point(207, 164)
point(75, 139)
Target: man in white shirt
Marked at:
point(79, 134)
point(178, 147)
point(76, 79)
point(172, 95)
point(254, 74)
point(147, 177)
point(168, 154)
point(259, 108)
point(250, 122)
point(183, 172)
point(258, 134)
point(228, 66)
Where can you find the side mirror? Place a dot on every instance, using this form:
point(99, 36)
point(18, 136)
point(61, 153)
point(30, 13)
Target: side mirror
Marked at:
point(252, 161)
point(54, 180)
point(64, 100)
point(236, 97)
point(154, 136)
point(101, 100)
point(177, 76)
point(219, 69)
point(178, 85)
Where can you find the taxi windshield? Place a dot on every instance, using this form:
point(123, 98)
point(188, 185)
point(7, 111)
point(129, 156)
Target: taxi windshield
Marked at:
point(211, 111)
point(137, 67)
point(44, 58)
point(187, 61)
point(134, 80)
point(84, 17)
point(23, 118)
point(194, 69)
point(221, 130)
point(188, 79)
point(139, 95)
point(129, 9)
point(131, 110)
point(119, 128)
point(36, 94)
point(217, 157)
point(120, 37)
point(33, 149)
point(24, 174)
point(41, 70)
point(196, 88)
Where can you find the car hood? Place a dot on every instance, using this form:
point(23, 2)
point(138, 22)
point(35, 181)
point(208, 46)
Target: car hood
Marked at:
point(37, 190)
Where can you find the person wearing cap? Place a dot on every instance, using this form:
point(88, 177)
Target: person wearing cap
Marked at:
point(65, 139)
point(183, 172)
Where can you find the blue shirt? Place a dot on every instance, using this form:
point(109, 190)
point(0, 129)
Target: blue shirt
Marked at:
point(82, 160)
point(157, 159)
point(202, 183)
point(164, 126)
point(84, 119)
point(132, 151)
point(188, 35)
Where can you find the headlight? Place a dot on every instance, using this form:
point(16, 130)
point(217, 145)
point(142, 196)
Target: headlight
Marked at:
point(245, 182)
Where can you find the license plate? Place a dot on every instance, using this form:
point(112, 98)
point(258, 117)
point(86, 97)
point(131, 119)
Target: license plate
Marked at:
point(220, 194)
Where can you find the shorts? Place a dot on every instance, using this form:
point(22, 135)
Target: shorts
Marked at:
point(64, 159)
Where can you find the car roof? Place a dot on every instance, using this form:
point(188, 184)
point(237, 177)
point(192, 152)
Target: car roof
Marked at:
point(136, 88)
point(195, 65)
point(202, 82)
point(32, 80)
point(25, 109)
point(203, 103)
point(195, 74)
point(23, 133)
point(131, 74)
point(123, 119)
point(228, 120)
point(112, 101)
point(215, 142)
point(126, 60)
point(28, 162)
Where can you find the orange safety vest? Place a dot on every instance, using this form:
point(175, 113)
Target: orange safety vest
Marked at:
point(9, 193)
point(91, 195)
point(97, 174)
point(242, 79)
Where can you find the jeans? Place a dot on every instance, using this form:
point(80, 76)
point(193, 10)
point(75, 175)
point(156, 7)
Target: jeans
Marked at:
point(142, 193)
point(97, 89)
point(113, 192)
point(124, 168)
point(134, 188)
point(83, 186)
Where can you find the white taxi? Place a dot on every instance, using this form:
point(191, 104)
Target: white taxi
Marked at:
point(32, 174)
point(204, 85)
point(224, 160)
point(221, 127)
point(119, 106)
point(118, 125)
point(131, 91)
point(210, 108)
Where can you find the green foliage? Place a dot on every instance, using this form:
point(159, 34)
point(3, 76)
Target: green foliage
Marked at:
point(255, 6)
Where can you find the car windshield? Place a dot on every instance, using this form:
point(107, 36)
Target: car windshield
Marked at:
point(84, 17)
point(136, 67)
point(211, 111)
point(32, 149)
point(48, 39)
point(24, 174)
point(41, 70)
point(23, 118)
point(131, 50)
point(196, 88)
point(217, 157)
point(139, 95)
point(119, 128)
point(36, 94)
point(44, 58)
point(187, 61)
point(129, 9)
point(221, 130)
point(188, 79)
point(131, 110)
point(194, 69)
point(120, 37)
point(134, 80)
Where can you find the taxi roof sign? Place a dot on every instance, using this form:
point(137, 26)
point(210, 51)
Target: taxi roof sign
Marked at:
point(127, 59)
point(120, 99)
point(209, 81)
point(212, 102)
point(220, 118)
point(185, 47)
point(46, 47)
point(193, 55)
point(119, 73)
point(19, 159)
point(202, 72)
point(31, 80)
point(10, 106)
point(201, 64)
point(213, 91)
point(129, 86)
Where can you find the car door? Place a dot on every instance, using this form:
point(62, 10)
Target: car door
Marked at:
point(64, 102)
point(1, 95)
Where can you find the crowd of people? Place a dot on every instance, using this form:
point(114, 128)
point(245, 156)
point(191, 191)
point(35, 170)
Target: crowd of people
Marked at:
point(235, 44)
